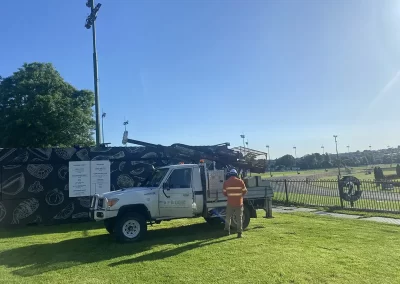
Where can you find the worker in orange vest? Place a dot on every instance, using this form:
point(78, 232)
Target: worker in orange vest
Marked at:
point(234, 189)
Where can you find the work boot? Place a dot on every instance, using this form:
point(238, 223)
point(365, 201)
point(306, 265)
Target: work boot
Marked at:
point(239, 235)
point(228, 232)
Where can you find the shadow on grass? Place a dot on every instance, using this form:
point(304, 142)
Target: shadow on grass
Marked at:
point(22, 231)
point(41, 258)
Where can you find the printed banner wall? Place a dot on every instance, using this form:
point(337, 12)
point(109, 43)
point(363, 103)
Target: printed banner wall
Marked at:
point(34, 183)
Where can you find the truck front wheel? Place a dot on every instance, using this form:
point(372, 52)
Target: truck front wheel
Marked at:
point(130, 227)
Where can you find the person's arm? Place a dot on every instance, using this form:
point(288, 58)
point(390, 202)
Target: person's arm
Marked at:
point(224, 189)
point(244, 189)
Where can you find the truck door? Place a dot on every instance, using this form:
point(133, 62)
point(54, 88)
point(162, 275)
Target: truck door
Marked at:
point(176, 195)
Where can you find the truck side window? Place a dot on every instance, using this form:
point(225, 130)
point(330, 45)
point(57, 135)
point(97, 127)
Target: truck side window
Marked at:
point(181, 178)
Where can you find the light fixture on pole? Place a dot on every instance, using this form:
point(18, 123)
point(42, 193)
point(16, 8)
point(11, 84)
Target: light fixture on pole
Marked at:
point(126, 123)
point(90, 23)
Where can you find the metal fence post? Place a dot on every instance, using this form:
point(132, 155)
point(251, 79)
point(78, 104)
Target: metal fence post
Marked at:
point(286, 193)
point(340, 193)
point(268, 205)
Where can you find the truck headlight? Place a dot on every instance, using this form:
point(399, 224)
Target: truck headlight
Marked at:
point(112, 202)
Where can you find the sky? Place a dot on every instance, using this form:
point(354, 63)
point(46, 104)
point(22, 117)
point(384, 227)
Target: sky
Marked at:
point(201, 72)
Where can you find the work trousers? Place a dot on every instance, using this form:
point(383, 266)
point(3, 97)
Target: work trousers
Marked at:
point(236, 211)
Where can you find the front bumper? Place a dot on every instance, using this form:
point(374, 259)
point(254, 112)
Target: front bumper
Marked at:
point(98, 210)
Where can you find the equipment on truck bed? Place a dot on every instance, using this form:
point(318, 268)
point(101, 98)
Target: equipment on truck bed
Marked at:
point(223, 157)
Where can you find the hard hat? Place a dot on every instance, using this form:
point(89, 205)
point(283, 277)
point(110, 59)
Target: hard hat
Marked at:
point(233, 172)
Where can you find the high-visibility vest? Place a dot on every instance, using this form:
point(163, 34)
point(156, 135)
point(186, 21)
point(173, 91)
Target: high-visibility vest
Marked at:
point(234, 189)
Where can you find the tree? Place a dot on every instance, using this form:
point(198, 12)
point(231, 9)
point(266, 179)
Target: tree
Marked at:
point(39, 109)
point(287, 161)
point(327, 163)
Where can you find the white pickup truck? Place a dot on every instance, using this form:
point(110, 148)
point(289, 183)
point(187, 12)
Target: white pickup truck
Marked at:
point(173, 192)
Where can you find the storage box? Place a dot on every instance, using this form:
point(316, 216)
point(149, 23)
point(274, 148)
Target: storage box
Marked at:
point(263, 182)
point(216, 180)
point(250, 181)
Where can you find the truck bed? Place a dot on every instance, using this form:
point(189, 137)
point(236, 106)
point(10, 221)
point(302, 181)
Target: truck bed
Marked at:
point(252, 193)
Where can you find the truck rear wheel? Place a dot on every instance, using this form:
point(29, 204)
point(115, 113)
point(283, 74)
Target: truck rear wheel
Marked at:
point(246, 218)
point(131, 227)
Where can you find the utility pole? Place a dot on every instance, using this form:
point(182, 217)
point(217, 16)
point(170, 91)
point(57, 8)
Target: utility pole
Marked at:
point(270, 170)
point(90, 23)
point(337, 155)
point(103, 115)
point(348, 149)
point(323, 149)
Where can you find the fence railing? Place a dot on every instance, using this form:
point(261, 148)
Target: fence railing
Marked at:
point(366, 195)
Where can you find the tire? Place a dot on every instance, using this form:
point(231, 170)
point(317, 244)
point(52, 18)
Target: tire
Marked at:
point(109, 224)
point(246, 219)
point(131, 227)
point(214, 221)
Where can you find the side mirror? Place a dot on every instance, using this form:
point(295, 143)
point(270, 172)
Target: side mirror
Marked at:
point(165, 186)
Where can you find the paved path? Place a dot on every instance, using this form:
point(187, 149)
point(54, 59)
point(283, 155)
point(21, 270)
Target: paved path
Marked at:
point(283, 209)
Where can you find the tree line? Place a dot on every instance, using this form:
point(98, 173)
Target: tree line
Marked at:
point(324, 161)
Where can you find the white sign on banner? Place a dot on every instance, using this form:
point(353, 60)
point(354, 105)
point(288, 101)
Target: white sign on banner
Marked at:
point(79, 179)
point(100, 177)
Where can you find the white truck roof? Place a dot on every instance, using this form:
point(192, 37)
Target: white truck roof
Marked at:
point(178, 166)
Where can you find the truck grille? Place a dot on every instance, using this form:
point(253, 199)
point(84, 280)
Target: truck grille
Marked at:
point(100, 204)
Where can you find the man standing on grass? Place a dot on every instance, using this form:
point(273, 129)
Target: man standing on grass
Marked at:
point(234, 189)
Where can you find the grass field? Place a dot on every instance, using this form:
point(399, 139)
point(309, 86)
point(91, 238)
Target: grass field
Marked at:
point(302, 173)
point(291, 248)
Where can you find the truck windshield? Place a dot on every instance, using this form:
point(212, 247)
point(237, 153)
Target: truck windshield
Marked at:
point(155, 179)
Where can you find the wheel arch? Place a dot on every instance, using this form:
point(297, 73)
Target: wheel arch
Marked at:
point(253, 212)
point(137, 208)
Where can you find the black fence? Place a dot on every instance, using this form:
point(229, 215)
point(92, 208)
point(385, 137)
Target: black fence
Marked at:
point(346, 193)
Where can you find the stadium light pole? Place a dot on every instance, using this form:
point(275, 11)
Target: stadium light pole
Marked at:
point(348, 149)
point(270, 170)
point(323, 149)
point(337, 155)
point(295, 158)
point(90, 23)
point(391, 158)
point(103, 115)
point(244, 147)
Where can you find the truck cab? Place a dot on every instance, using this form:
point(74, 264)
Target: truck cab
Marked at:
point(170, 192)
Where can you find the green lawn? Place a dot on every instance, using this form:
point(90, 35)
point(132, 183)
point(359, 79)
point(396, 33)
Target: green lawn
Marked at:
point(291, 248)
point(302, 173)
